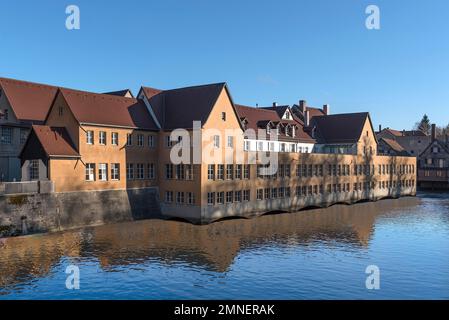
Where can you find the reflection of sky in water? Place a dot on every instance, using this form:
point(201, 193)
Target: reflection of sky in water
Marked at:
point(311, 254)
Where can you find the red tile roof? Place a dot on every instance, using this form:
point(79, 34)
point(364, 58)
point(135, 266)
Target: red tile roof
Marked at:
point(406, 133)
point(55, 141)
point(29, 101)
point(102, 109)
point(394, 145)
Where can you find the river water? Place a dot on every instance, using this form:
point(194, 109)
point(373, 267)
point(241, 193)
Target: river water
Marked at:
point(315, 254)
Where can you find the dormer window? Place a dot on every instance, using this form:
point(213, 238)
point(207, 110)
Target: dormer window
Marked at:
point(223, 116)
point(61, 111)
point(287, 115)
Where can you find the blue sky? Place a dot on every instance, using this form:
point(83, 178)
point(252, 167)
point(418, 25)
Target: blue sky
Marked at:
point(317, 50)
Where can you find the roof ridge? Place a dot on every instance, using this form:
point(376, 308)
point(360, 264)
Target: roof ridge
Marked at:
point(25, 82)
point(188, 87)
point(95, 94)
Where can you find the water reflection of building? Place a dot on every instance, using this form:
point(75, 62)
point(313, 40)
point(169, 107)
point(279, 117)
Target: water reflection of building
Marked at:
point(25, 258)
point(213, 247)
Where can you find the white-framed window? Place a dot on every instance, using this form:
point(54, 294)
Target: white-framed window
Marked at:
point(151, 172)
point(89, 137)
point(282, 147)
point(246, 145)
point(115, 171)
point(268, 129)
point(102, 172)
point(220, 197)
point(140, 140)
point(129, 139)
point(151, 143)
point(220, 172)
point(114, 138)
point(238, 171)
point(90, 171)
point(216, 141)
point(246, 171)
point(180, 172)
point(189, 172)
point(140, 171)
point(129, 171)
point(169, 196)
point(229, 196)
point(246, 195)
point(168, 142)
point(102, 138)
point(260, 146)
point(210, 198)
point(271, 146)
point(180, 197)
point(238, 196)
point(190, 198)
point(230, 142)
point(34, 170)
point(211, 172)
point(229, 171)
point(169, 171)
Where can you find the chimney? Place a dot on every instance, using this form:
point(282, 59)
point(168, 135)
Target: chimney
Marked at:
point(434, 132)
point(403, 132)
point(380, 127)
point(302, 106)
point(275, 104)
point(327, 109)
point(307, 118)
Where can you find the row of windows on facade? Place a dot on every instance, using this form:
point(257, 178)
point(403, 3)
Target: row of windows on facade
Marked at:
point(434, 162)
point(179, 171)
point(302, 191)
point(228, 197)
point(261, 145)
point(102, 139)
point(271, 146)
point(138, 171)
point(289, 130)
point(317, 170)
point(181, 197)
point(240, 172)
point(7, 135)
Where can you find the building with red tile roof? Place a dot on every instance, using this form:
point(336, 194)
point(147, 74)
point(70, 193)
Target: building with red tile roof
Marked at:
point(215, 165)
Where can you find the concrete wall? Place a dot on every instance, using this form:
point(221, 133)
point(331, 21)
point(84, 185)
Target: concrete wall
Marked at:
point(28, 187)
point(60, 211)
